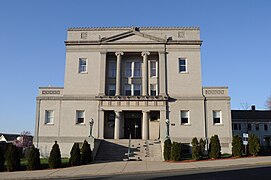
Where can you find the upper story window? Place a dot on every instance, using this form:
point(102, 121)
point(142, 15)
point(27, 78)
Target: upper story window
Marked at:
point(82, 65)
point(153, 89)
point(185, 117)
point(236, 126)
point(133, 69)
point(111, 89)
point(249, 127)
point(112, 69)
point(49, 117)
point(127, 90)
point(80, 117)
point(265, 126)
point(137, 69)
point(153, 68)
point(137, 90)
point(217, 117)
point(257, 127)
point(182, 65)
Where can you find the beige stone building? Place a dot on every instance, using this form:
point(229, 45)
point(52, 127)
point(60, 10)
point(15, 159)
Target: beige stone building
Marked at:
point(132, 80)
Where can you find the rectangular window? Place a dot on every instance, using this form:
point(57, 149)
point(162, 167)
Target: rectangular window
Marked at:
point(153, 89)
point(265, 126)
point(137, 69)
point(49, 117)
point(80, 117)
point(249, 127)
point(127, 89)
point(153, 68)
point(137, 89)
point(257, 127)
point(239, 127)
point(112, 69)
point(184, 117)
point(82, 65)
point(112, 90)
point(235, 126)
point(128, 69)
point(217, 117)
point(182, 65)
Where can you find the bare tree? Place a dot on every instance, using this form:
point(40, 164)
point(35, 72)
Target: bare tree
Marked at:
point(24, 140)
point(245, 106)
point(268, 103)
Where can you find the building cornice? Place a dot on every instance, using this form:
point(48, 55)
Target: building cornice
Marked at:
point(130, 28)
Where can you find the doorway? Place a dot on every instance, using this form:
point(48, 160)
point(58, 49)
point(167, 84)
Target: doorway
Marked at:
point(132, 125)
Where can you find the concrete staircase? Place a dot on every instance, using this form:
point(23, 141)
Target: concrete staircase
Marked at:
point(141, 150)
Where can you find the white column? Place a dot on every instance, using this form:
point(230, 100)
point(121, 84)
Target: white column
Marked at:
point(118, 73)
point(162, 73)
point(145, 125)
point(102, 73)
point(145, 73)
point(101, 124)
point(117, 125)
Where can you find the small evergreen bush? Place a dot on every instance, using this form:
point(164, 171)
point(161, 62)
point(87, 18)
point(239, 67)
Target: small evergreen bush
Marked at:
point(13, 158)
point(196, 152)
point(253, 145)
point(176, 151)
point(55, 157)
point(2, 160)
point(75, 158)
point(86, 153)
point(33, 159)
point(202, 144)
point(237, 146)
point(214, 147)
point(167, 149)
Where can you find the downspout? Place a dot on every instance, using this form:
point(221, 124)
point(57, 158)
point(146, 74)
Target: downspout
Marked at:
point(38, 123)
point(205, 121)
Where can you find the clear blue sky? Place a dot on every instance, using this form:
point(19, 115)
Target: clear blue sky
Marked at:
point(236, 49)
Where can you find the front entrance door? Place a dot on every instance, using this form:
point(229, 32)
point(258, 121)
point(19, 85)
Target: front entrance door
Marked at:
point(132, 124)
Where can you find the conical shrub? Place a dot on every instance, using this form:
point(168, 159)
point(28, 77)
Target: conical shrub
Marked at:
point(2, 160)
point(75, 155)
point(13, 158)
point(55, 157)
point(33, 159)
point(176, 151)
point(202, 144)
point(86, 153)
point(253, 145)
point(167, 149)
point(214, 147)
point(237, 146)
point(196, 154)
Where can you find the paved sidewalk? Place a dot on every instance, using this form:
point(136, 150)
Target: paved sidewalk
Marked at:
point(124, 167)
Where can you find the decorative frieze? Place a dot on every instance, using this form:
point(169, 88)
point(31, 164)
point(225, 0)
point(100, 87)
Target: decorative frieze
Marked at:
point(44, 92)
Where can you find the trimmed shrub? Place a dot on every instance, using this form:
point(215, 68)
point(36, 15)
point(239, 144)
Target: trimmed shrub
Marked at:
point(196, 153)
point(33, 159)
point(214, 147)
point(253, 145)
point(86, 153)
point(237, 146)
point(176, 151)
point(167, 149)
point(2, 160)
point(13, 158)
point(202, 144)
point(55, 157)
point(75, 158)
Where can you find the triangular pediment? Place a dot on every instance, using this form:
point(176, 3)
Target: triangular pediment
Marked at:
point(133, 36)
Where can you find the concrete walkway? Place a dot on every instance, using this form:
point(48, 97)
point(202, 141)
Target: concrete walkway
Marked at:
point(124, 167)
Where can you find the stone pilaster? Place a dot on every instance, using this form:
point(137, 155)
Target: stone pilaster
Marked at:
point(118, 73)
point(162, 73)
point(117, 125)
point(145, 73)
point(102, 73)
point(145, 125)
